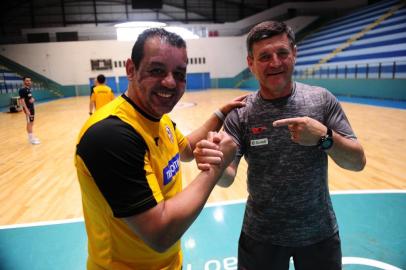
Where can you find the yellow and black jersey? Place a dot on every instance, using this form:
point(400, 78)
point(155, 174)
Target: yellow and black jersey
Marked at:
point(127, 162)
point(101, 95)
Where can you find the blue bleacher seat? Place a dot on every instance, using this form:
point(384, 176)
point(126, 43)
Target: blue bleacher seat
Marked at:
point(381, 51)
point(10, 82)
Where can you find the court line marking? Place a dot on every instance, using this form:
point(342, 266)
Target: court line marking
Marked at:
point(208, 205)
point(42, 223)
point(368, 191)
point(368, 262)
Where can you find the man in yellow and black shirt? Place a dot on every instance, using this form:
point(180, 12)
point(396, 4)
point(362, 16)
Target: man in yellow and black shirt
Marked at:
point(101, 94)
point(128, 163)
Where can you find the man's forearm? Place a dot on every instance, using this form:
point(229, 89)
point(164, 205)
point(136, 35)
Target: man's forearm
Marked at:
point(212, 124)
point(165, 224)
point(347, 153)
point(91, 107)
point(25, 108)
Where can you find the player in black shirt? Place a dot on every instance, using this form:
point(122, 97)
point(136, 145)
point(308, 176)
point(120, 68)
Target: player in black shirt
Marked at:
point(27, 101)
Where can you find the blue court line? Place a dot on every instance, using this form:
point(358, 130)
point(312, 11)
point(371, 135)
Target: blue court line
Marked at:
point(371, 228)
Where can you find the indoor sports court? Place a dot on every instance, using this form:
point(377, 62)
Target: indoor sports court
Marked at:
point(41, 218)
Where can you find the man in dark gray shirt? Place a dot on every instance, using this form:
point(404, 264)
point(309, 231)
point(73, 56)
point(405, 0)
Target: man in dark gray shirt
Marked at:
point(286, 132)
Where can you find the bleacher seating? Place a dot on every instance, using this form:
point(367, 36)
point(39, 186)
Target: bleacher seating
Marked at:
point(11, 74)
point(370, 42)
point(10, 82)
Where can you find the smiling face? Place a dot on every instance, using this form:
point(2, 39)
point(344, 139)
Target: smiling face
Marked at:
point(160, 80)
point(272, 62)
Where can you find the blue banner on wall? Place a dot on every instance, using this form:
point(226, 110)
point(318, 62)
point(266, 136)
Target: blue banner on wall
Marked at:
point(198, 81)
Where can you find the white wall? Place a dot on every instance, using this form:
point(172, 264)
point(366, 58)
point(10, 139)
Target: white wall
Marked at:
point(68, 63)
point(225, 56)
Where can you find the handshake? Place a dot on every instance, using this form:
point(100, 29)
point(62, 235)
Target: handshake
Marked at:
point(216, 152)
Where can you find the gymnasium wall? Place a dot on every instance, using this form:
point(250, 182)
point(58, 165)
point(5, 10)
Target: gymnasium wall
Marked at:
point(68, 63)
point(40, 95)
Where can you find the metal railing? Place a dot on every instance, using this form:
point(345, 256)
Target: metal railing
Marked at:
point(378, 70)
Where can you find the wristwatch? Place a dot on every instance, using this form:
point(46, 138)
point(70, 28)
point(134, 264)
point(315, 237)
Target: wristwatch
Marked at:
point(326, 142)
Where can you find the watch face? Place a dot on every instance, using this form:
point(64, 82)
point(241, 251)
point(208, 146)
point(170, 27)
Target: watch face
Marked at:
point(327, 143)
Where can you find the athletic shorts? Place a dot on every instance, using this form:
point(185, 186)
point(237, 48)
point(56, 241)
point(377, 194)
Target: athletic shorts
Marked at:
point(254, 255)
point(31, 117)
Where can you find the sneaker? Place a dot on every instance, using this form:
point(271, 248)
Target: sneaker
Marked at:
point(35, 141)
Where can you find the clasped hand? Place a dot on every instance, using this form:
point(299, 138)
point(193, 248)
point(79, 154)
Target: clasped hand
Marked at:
point(217, 151)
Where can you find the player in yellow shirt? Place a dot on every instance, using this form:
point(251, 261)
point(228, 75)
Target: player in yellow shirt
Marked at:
point(128, 160)
point(101, 94)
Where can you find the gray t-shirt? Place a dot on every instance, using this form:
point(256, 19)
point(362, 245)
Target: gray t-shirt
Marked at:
point(289, 202)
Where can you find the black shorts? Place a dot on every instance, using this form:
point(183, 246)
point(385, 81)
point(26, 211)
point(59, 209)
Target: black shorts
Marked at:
point(31, 117)
point(253, 255)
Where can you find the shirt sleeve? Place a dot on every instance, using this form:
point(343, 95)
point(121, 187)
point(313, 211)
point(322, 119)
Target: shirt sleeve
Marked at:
point(232, 126)
point(114, 153)
point(21, 93)
point(336, 118)
point(181, 139)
